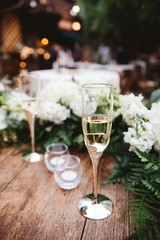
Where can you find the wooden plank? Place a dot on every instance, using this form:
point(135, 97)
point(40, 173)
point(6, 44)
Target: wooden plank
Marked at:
point(5, 152)
point(11, 164)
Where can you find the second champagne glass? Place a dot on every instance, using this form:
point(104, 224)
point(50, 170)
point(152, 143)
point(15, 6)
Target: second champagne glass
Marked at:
point(30, 105)
point(97, 107)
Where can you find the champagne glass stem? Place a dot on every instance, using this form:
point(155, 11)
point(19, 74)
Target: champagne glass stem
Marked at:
point(31, 122)
point(95, 165)
point(32, 126)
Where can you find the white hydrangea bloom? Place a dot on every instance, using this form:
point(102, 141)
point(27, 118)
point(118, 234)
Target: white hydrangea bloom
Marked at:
point(53, 112)
point(60, 91)
point(56, 97)
point(14, 101)
point(3, 123)
point(76, 106)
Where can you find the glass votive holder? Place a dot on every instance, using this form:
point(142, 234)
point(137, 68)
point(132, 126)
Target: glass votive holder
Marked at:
point(54, 151)
point(68, 171)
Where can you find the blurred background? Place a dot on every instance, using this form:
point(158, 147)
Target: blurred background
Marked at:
point(34, 33)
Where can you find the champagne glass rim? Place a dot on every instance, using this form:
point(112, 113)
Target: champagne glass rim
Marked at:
point(91, 85)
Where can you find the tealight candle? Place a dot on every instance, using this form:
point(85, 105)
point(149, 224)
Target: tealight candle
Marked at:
point(69, 175)
point(53, 161)
point(53, 155)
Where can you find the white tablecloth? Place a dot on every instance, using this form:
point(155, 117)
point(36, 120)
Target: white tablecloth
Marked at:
point(80, 75)
point(120, 68)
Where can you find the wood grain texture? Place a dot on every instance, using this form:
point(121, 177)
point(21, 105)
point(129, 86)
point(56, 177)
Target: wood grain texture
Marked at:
point(33, 207)
point(10, 165)
point(5, 152)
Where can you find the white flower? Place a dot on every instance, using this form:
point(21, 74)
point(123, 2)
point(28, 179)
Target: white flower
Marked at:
point(18, 116)
point(140, 133)
point(3, 123)
point(131, 106)
point(76, 106)
point(53, 112)
point(143, 140)
point(56, 98)
point(2, 88)
point(14, 101)
point(14, 105)
point(60, 91)
point(154, 117)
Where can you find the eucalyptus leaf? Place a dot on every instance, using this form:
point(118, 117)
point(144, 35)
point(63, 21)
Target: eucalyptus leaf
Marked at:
point(155, 97)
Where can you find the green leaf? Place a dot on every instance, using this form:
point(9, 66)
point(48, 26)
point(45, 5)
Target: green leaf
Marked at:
point(143, 156)
point(149, 165)
point(155, 97)
point(158, 180)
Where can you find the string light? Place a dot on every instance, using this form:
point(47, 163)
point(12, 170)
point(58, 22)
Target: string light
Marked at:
point(23, 56)
point(76, 26)
point(22, 64)
point(40, 51)
point(47, 56)
point(33, 4)
point(75, 10)
point(44, 41)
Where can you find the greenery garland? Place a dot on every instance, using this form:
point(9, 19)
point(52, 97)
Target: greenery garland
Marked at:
point(139, 170)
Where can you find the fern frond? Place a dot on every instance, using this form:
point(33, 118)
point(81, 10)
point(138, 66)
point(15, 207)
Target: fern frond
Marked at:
point(153, 233)
point(144, 212)
point(145, 157)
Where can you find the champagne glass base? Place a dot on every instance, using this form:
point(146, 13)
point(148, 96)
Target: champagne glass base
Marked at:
point(34, 157)
point(96, 211)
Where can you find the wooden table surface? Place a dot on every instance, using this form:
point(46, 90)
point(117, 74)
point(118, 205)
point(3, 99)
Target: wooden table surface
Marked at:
point(33, 207)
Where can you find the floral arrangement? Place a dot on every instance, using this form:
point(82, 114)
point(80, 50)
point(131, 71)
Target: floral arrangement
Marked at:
point(59, 104)
point(135, 141)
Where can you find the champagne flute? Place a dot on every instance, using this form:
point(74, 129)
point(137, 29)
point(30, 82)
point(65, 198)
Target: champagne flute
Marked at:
point(97, 107)
point(30, 105)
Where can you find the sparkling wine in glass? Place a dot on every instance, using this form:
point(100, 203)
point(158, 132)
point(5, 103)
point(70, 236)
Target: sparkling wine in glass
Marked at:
point(30, 105)
point(97, 107)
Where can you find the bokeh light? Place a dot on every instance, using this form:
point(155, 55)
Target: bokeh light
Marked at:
point(44, 41)
point(22, 64)
point(76, 26)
